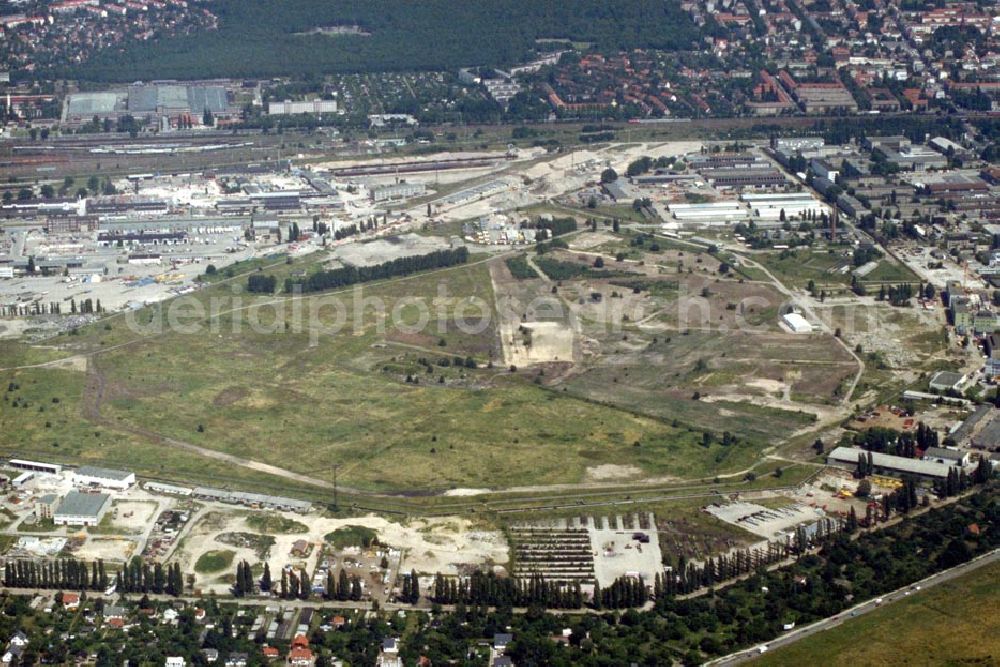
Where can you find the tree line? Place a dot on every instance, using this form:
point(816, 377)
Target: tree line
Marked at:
point(553, 227)
point(260, 283)
point(898, 443)
point(351, 275)
point(141, 577)
point(58, 573)
point(486, 588)
point(295, 583)
point(33, 308)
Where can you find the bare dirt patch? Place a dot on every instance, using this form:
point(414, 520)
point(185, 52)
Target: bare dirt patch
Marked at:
point(536, 342)
point(230, 395)
point(612, 471)
point(388, 249)
point(427, 545)
point(591, 240)
point(111, 549)
point(75, 363)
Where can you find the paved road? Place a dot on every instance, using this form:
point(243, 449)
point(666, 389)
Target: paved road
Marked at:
point(858, 610)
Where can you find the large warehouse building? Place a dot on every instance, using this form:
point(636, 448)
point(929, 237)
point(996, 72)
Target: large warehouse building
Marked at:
point(289, 107)
point(151, 103)
point(847, 457)
point(710, 212)
point(792, 204)
point(176, 99)
point(103, 478)
point(81, 509)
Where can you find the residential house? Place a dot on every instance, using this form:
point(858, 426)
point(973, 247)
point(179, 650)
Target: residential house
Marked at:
point(71, 601)
point(114, 612)
point(389, 655)
point(501, 640)
point(237, 660)
point(301, 656)
point(15, 647)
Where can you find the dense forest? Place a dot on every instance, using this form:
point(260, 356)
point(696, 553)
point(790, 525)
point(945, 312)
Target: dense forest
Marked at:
point(258, 38)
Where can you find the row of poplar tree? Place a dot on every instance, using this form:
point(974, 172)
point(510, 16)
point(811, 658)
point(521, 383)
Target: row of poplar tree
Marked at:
point(60, 573)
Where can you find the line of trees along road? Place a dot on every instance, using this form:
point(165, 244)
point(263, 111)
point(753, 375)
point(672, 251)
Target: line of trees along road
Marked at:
point(351, 275)
point(61, 573)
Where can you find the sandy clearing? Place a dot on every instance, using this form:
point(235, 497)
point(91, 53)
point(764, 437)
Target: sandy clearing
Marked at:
point(133, 516)
point(107, 548)
point(427, 545)
point(590, 240)
point(549, 341)
point(13, 328)
point(612, 471)
point(76, 363)
point(770, 386)
point(384, 250)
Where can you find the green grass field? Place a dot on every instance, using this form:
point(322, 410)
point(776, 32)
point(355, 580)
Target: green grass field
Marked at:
point(275, 398)
point(955, 623)
point(373, 398)
point(275, 524)
point(48, 423)
point(351, 536)
point(795, 268)
point(891, 272)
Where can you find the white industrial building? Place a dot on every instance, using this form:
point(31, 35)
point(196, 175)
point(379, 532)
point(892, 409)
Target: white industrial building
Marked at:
point(797, 323)
point(396, 191)
point(22, 479)
point(104, 478)
point(847, 457)
point(81, 509)
point(753, 197)
point(720, 211)
point(795, 209)
point(35, 466)
point(159, 487)
point(768, 206)
point(288, 107)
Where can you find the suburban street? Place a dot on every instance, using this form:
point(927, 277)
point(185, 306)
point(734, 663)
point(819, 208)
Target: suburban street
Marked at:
point(866, 607)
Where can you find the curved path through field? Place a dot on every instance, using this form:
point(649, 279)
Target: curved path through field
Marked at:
point(568, 494)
